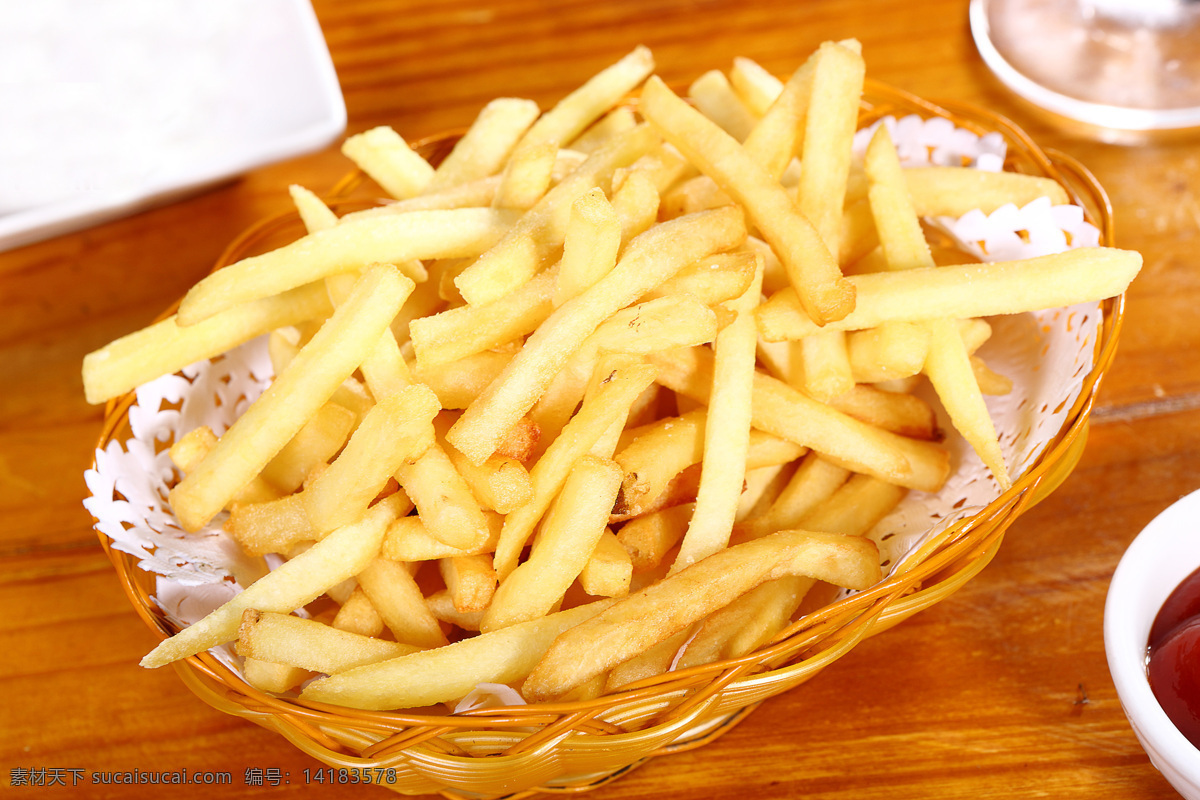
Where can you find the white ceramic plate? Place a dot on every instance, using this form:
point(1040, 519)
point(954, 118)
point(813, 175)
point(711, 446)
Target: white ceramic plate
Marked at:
point(111, 107)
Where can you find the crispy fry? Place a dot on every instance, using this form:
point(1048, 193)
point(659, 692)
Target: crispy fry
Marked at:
point(387, 158)
point(297, 582)
point(310, 645)
point(313, 445)
point(166, 347)
point(812, 270)
point(350, 245)
point(785, 412)
point(594, 98)
point(646, 618)
point(649, 260)
point(962, 291)
point(608, 406)
point(470, 580)
point(408, 540)
point(726, 432)
point(716, 99)
point(395, 595)
point(566, 540)
point(448, 673)
point(533, 239)
point(396, 430)
point(609, 569)
point(485, 146)
point(271, 421)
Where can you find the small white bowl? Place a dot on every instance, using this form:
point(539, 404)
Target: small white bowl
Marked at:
point(1162, 555)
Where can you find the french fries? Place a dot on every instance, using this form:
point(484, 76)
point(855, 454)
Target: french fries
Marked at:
point(605, 351)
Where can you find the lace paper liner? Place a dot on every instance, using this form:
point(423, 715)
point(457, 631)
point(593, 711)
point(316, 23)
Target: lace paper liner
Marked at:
point(1048, 354)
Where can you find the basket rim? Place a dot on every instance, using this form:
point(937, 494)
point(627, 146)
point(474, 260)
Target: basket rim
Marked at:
point(963, 547)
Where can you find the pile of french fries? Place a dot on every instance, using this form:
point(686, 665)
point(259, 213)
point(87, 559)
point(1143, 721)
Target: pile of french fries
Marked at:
point(609, 391)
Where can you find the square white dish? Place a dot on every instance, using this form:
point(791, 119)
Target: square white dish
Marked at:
point(109, 108)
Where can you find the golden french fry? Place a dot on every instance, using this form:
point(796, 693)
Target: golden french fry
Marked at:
point(614, 123)
point(313, 445)
point(716, 99)
point(267, 676)
point(397, 429)
point(609, 570)
point(856, 507)
point(655, 613)
point(566, 540)
point(465, 331)
point(747, 623)
point(310, 645)
point(649, 260)
point(658, 324)
point(357, 615)
point(636, 203)
point(501, 483)
point(898, 412)
point(694, 194)
point(948, 362)
point(458, 383)
point(471, 581)
point(949, 369)
point(781, 410)
point(712, 280)
point(443, 499)
point(813, 482)
point(441, 605)
point(811, 269)
point(532, 240)
point(191, 449)
point(757, 87)
point(953, 191)
point(448, 673)
point(349, 245)
point(526, 177)
point(395, 595)
point(655, 660)
point(166, 347)
point(486, 145)
point(990, 382)
point(662, 450)
point(520, 442)
point(726, 432)
point(825, 365)
point(273, 526)
point(313, 212)
point(966, 290)
point(773, 142)
point(892, 350)
point(608, 406)
point(478, 193)
point(590, 101)
point(590, 247)
point(408, 540)
point(386, 157)
point(900, 236)
point(295, 583)
point(837, 81)
point(308, 382)
point(650, 537)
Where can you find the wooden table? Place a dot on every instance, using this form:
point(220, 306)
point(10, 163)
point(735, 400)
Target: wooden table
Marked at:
point(1000, 691)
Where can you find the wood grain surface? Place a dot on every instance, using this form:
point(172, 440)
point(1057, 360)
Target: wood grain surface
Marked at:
point(1000, 691)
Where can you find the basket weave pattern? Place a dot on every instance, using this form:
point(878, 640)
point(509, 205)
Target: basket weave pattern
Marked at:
point(580, 745)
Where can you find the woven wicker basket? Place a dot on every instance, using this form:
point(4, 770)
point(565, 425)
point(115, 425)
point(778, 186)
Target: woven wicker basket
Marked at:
point(577, 746)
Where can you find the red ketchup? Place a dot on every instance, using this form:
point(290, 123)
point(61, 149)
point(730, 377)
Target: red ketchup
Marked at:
point(1174, 662)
